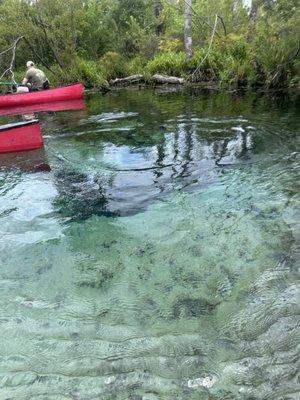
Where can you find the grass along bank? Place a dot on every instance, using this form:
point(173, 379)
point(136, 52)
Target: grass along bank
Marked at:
point(230, 63)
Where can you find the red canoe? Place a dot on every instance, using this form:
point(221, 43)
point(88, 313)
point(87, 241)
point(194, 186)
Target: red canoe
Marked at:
point(20, 136)
point(69, 105)
point(71, 92)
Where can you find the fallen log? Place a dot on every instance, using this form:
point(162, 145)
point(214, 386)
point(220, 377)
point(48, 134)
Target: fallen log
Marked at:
point(127, 80)
point(173, 80)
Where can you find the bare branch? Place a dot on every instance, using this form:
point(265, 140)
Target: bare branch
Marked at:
point(223, 24)
point(208, 51)
point(37, 55)
point(12, 62)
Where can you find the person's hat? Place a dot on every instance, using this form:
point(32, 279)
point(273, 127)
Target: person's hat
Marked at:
point(29, 64)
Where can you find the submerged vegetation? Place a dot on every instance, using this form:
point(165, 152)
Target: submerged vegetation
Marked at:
point(94, 41)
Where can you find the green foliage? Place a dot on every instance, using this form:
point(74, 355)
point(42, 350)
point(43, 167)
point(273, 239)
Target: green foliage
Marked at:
point(168, 63)
point(237, 72)
point(279, 54)
point(97, 40)
point(114, 65)
point(238, 65)
point(171, 45)
point(213, 62)
point(137, 65)
point(89, 73)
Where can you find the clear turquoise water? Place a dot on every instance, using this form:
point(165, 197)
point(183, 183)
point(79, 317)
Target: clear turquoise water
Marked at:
point(158, 257)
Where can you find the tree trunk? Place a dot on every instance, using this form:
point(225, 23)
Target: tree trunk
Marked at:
point(158, 8)
point(188, 28)
point(252, 20)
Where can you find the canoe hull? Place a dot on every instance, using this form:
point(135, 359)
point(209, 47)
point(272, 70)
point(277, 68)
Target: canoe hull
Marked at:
point(21, 137)
point(26, 161)
point(65, 93)
point(70, 105)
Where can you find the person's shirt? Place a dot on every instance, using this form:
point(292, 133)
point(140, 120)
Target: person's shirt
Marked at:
point(35, 77)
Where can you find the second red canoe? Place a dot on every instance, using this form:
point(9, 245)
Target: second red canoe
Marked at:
point(20, 136)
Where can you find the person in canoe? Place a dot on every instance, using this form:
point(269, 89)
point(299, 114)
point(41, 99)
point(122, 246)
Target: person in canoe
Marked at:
point(35, 79)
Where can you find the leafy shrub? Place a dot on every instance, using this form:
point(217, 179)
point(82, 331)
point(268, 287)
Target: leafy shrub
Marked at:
point(136, 65)
point(91, 73)
point(277, 61)
point(237, 72)
point(236, 46)
point(171, 45)
point(237, 66)
point(114, 65)
point(209, 63)
point(87, 72)
point(170, 63)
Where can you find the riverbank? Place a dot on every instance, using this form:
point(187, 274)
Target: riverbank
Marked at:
point(231, 65)
point(197, 89)
point(176, 85)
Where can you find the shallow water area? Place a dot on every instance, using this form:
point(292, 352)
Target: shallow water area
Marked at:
point(156, 256)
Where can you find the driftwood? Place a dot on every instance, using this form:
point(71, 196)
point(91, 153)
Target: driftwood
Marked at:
point(127, 80)
point(160, 79)
point(167, 79)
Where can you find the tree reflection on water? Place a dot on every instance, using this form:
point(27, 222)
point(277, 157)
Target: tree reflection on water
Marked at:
point(182, 162)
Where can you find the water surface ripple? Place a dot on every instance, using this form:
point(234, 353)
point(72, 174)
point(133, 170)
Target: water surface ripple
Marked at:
point(156, 256)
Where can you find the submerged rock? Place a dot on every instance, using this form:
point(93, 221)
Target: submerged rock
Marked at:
point(193, 307)
point(80, 195)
